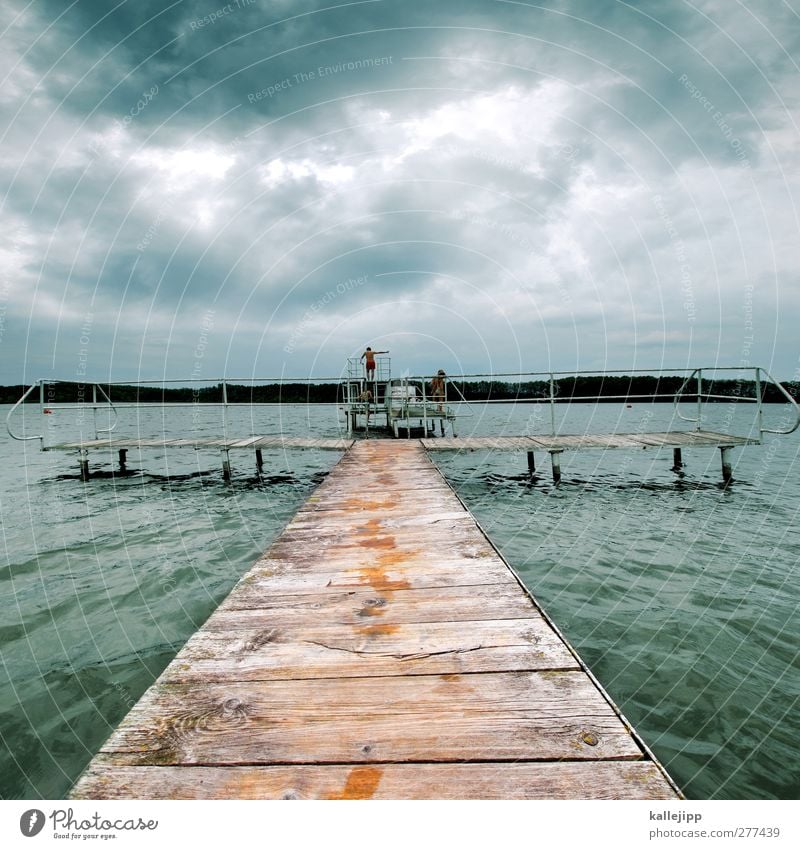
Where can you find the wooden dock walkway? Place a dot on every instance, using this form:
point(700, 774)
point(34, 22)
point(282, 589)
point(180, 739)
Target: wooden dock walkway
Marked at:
point(557, 444)
point(380, 648)
point(254, 442)
point(575, 442)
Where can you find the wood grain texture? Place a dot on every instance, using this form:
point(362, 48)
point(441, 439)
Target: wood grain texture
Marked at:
point(503, 716)
point(373, 649)
point(574, 442)
point(557, 780)
point(379, 648)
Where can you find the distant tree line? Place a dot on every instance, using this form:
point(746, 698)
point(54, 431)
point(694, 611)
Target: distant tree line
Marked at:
point(600, 387)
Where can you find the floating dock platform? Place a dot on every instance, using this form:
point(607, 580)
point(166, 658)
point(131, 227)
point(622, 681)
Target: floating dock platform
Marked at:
point(381, 648)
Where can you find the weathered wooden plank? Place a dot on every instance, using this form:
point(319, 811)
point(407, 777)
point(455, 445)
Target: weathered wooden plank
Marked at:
point(487, 780)
point(359, 651)
point(244, 443)
point(253, 606)
point(565, 442)
point(491, 716)
point(416, 571)
point(336, 546)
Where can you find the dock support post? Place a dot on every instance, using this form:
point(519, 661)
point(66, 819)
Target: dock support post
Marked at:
point(123, 459)
point(677, 459)
point(555, 456)
point(531, 463)
point(727, 474)
point(226, 465)
point(259, 459)
point(84, 464)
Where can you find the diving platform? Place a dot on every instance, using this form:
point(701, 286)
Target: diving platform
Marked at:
point(381, 648)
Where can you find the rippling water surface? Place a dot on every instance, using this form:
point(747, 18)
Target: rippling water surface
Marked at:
point(679, 593)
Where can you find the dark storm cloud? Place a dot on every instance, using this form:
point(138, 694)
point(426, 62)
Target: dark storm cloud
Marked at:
point(571, 184)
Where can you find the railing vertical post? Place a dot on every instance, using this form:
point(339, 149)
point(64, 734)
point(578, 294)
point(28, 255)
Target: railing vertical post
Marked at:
point(699, 399)
point(41, 413)
point(224, 408)
point(552, 406)
point(425, 410)
point(759, 410)
point(94, 409)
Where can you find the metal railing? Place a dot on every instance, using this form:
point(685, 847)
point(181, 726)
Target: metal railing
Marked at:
point(696, 378)
point(50, 408)
point(697, 385)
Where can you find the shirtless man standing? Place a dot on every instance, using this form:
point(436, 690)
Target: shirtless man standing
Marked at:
point(370, 355)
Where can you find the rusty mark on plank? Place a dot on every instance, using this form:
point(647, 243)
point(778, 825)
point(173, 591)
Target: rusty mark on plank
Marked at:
point(395, 558)
point(375, 541)
point(361, 783)
point(380, 630)
point(357, 503)
point(379, 580)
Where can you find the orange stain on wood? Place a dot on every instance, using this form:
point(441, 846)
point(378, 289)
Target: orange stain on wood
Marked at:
point(375, 540)
point(396, 558)
point(361, 783)
point(368, 504)
point(378, 630)
point(381, 582)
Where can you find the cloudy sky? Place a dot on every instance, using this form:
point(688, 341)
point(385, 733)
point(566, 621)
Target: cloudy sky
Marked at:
point(265, 187)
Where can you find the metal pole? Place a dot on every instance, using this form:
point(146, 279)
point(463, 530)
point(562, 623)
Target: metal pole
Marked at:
point(727, 474)
point(94, 408)
point(224, 411)
point(425, 409)
point(759, 409)
point(555, 457)
point(552, 406)
point(41, 413)
point(84, 464)
point(699, 399)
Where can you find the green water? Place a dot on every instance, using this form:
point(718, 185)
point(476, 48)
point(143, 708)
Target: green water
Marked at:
point(679, 593)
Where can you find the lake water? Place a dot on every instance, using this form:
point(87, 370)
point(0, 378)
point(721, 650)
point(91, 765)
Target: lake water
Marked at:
point(679, 593)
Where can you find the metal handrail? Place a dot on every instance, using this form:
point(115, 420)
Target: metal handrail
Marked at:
point(699, 372)
point(788, 398)
point(11, 433)
point(113, 410)
point(758, 400)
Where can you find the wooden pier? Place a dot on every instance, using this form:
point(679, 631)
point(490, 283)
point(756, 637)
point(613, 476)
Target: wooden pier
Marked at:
point(557, 444)
point(381, 648)
point(255, 443)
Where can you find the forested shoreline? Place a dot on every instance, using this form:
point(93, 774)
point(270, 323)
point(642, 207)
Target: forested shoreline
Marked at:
point(618, 388)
